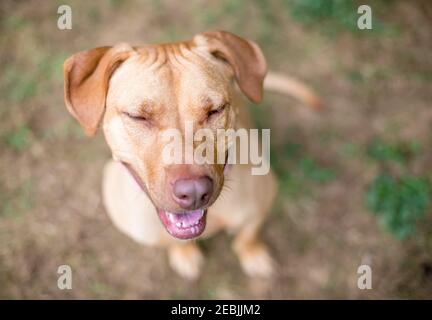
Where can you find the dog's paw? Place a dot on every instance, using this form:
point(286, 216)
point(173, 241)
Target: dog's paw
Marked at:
point(186, 260)
point(257, 262)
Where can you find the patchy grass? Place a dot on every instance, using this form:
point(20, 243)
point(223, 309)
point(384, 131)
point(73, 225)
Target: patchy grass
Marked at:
point(314, 171)
point(399, 198)
point(17, 203)
point(18, 139)
point(67, 130)
point(367, 83)
point(399, 203)
point(348, 149)
point(400, 152)
point(211, 15)
point(100, 289)
point(338, 15)
point(14, 22)
point(298, 171)
point(20, 83)
point(17, 85)
point(343, 14)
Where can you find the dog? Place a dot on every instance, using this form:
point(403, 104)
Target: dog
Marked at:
point(137, 92)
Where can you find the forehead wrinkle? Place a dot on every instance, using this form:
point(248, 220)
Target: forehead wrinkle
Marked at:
point(161, 59)
point(153, 57)
point(206, 84)
point(134, 83)
point(185, 71)
point(177, 78)
point(147, 57)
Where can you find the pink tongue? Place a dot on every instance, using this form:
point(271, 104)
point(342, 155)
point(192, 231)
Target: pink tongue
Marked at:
point(188, 218)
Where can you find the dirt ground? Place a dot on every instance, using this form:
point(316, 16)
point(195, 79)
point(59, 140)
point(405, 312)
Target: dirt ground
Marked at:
point(373, 83)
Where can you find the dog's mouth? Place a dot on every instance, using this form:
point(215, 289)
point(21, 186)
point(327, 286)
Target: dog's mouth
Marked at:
point(185, 225)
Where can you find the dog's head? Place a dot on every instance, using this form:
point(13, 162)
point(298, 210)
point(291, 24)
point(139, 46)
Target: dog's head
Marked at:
point(140, 92)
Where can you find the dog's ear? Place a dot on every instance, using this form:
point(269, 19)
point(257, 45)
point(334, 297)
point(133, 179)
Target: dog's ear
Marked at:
point(86, 78)
point(244, 56)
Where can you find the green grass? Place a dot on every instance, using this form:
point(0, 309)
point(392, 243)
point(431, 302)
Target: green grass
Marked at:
point(314, 171)
point(116, 4)
point(399, 202)
point(14, 22)
point(396, 196)
point(17, 203)
point(18, 139)
point(211, 15)
point(423, 77)
point(367, 76)
point(17, 85)
point(20, 83)
point(400, 152)
point(338, 14)
point(333, 16)
point(348, 149)
point(100, 289)
point(51, 66)
point(236, 17)
point(267, 23)
point(298, 172)
point(260, 114)
point(64, 131)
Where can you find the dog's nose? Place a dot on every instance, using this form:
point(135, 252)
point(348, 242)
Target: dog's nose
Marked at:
point(192, 194)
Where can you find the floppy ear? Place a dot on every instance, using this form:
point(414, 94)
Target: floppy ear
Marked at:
point(244, 56)
point(86, 78)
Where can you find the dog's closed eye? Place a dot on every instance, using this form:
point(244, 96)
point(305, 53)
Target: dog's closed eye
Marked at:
point(137, 117)
point(217, 111)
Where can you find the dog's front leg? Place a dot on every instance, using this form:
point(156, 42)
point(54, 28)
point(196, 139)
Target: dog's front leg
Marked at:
point(186, 259)
point(252, 252)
